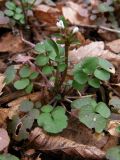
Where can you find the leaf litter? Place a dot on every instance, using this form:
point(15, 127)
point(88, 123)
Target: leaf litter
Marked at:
point(106, 45)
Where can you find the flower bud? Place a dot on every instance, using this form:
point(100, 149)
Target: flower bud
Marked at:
point(75, 30)
point(60, 24)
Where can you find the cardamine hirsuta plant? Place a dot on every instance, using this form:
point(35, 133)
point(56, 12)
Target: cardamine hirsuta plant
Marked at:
point(62, 94)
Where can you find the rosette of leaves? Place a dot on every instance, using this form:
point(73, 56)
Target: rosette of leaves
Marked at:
point(53, 120)
point(14, 12)
point(26, 78)
point(92, 114)
point(19, 126)
point(92, 71)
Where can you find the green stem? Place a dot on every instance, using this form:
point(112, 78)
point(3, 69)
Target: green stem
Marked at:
point(66, 62)
point(57, 83)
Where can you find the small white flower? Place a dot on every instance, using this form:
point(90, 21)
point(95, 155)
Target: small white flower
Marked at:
point(75, 30)
point(60, 24)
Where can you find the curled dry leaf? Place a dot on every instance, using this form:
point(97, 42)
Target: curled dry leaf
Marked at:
point(4, 139)
point(2, 84)
point(43, 141)
point(92, 49)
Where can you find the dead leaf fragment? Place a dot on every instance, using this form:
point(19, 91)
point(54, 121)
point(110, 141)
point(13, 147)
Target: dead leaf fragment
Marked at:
point(2, 83)
point(43, 141)
point(4, 139)
point(92, 49)
point(112, 128)
point(114, 46)
point(46, 14)
point(11, 43)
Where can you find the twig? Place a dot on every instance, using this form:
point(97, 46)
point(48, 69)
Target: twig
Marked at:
point(112, 89)
point(99, 27)
point(25, 41)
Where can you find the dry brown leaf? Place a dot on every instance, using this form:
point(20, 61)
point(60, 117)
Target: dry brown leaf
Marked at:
point(46, 14)
point(14, 106)
point(75, 13)
point(112, 128)
point(4, 139)
point(78, 8)
point(2, 83)
point(33, 97)
point(114, 46)
point(11, 43)
point(3, 115)
point(92, 49)
point(43, 141)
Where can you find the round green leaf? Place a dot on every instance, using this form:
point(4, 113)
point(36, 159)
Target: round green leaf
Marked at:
point(10, 74)
point(106, 65)
point(53, 122)
point(47, 108)
point(21, 84)
point(26, 106)
point(93, 120)
point(80, 77)
point(10, 5)
point(61, 67)
point(9, 13)
point(18, 10)
point(78, 86)
point(87, 101)
point(47, 70)
point(103, 110)
point(102, 74)
point(18, 16)
point(89, 64)
point(113, 153)
point(29, 88)
point(25, 72)
point(94, 82)
point(8, 157)
point(34, 113)
point(34, 75)
point(41, 60)
point(40, 48)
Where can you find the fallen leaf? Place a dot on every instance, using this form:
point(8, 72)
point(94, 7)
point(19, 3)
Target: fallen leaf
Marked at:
point(46, 14)
point(2, 83)
point(33, 97)
point(11, 43)
point(114, 46)
point(92, 49)
point(4, 139)
point(112, 128)
point(43, 141)
point(75, 13)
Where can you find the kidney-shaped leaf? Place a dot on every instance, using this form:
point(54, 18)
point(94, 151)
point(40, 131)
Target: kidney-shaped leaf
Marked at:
point(103, 110)
point(21, 84)
point(53, 122)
